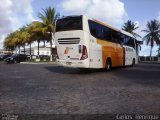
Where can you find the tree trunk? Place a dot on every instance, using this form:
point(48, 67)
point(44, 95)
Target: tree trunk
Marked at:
point(24, 49)
point(19, 49)
point(151, 53)
point(30, 50)
point(159, 51)
point(38, 48)
point(51, 57)
point(44, 43)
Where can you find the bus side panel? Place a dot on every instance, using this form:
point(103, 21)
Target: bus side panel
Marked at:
point(86, 43)
point(119, 54)
point(95, 51)
point(130, 54)
point(108, 51)
point(113, 51)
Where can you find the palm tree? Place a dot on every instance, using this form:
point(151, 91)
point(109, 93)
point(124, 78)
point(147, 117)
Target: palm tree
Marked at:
point(130, 27)
point(31, 38)
point(48, 18)
point(36, 30)
point(24, 36)
point(152, 34)
point(158, 51)
point(8, 43)
point(12, 41)
point(17, 40)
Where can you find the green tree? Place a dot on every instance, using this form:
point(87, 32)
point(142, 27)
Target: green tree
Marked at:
point(36, 32)
point(16, 39)
point(48, 18)
point(8, 43)
point(130, 27)
point(152, 36)
point(12, 41)
point(24, 36)
point(31, 38)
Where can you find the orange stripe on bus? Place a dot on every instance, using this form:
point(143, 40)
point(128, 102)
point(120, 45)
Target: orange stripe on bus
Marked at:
point(113, 51)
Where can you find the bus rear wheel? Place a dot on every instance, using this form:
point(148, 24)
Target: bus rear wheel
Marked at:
point(133, 62)
point(84, 69)
point(108, 65)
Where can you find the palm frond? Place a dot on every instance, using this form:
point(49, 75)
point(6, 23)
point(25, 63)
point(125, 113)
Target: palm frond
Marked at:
point(153, 31)
point(136, 35)
point(130, 27)
point(147, 31)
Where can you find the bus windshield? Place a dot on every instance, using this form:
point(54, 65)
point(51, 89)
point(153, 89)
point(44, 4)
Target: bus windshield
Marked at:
point(69, 23)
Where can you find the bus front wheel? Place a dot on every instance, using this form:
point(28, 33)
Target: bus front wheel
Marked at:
point(108, 65)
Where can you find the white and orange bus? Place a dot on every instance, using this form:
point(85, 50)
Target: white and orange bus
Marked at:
point(82, 42)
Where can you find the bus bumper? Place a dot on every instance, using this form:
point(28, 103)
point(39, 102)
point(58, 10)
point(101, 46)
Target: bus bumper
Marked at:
point(73, 64)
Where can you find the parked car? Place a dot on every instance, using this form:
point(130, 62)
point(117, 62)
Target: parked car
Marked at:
point(4, 56)
point(16, 58)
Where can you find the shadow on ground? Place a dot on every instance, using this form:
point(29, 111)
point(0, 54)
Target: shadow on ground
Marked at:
point(140, 74)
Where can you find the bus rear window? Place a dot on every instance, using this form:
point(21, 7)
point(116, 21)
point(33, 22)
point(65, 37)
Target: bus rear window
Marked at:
point(69, 23)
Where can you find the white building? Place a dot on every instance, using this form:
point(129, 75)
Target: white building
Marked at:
point(42, 50)
point(2, 51)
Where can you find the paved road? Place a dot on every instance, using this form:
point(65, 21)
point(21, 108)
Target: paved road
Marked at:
point(47, 89)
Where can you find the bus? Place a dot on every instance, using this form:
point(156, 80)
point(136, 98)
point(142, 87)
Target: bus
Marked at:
point(83, 42)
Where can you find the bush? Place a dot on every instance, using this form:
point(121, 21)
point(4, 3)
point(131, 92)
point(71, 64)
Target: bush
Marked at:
point(31, 60)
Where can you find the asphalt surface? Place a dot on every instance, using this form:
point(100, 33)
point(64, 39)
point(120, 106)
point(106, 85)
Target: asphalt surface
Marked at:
point(50, 89)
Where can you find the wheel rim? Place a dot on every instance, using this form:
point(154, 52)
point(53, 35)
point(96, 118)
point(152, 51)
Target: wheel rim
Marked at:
point(108, 66)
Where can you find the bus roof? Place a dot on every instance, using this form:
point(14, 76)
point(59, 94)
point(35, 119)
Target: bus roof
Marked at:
point(102, 23)
point(127, 33)
point(105, 25)
point(121, 31)
point(71, 16)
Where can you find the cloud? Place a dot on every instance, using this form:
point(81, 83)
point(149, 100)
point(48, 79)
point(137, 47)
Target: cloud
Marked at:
point(110, 11)
point(158, 18)
point(142, 26)
point(146, 50)
point(14, 14)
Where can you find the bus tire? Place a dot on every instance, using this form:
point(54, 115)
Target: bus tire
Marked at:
point(84, 69)
point(133, 62)
point(108, 65)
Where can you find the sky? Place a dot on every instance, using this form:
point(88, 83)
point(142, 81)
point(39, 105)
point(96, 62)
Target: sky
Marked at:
point(16, 13)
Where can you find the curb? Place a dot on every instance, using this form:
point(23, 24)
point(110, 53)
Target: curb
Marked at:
point(147, 62)
point(36, 63)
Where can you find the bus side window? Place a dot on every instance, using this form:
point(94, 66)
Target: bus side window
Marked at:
point(115, 37)
point(132, 43)
point(129, 42)
point(126, 40)
point(121, 39)
point(107, 34)
point(99, 31)
point(92, 28)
